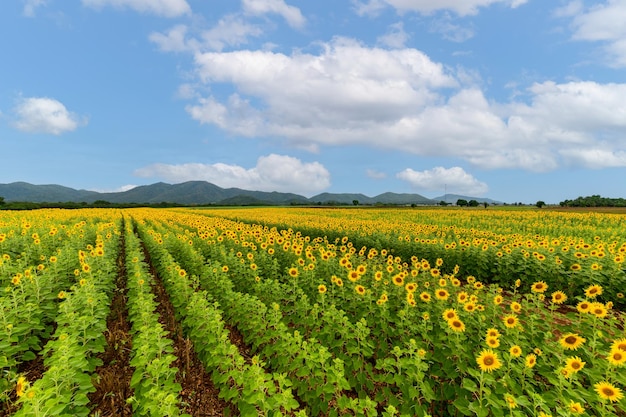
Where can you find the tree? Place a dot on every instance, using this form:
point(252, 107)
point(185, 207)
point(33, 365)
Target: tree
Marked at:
point(485, 204)
point(1, 200)
point(461, 202)
point(472, 203)
point(540, 203)
point(443, 203)
point(355, 202)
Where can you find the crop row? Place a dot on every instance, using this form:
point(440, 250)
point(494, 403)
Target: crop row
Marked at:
point(451, 325)
point(566, 250)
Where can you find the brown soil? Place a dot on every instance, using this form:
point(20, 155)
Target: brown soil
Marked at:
point(199, 397)
point(112, 379)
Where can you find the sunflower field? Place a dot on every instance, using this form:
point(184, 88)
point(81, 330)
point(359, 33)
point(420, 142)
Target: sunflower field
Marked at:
point(312, 312)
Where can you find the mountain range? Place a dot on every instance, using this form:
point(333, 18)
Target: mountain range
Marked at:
point(202, 192)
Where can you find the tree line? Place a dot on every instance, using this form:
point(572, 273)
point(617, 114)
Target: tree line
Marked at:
point(594, 201)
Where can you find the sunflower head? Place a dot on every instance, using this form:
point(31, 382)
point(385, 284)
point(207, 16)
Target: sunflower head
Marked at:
point(488, 360)
point(608, 391)
point(571, 341)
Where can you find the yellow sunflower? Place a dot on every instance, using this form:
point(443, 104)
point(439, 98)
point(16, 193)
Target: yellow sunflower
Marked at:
point(574, 364)
point(617, 357)
point(456, 325)
point(515, 351)
point(593, 291)
point(559, 297)
point(488, 360)
point(539, 287)
point(510, 321)
point(608, 391)
point(572, 341)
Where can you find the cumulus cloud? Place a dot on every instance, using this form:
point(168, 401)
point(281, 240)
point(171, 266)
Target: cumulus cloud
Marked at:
point(271, 173)
point(291, 14)
point(453, 179)
point(349, 93)
point(460, 7)
point(600, 23)
point(229, 31)
point(44, 115)
point(165, 8)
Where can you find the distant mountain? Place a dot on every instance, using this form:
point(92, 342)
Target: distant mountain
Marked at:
point(23, 191)
point(385, 198)
point(202, 192)
point(192, 192)
point(452, 198)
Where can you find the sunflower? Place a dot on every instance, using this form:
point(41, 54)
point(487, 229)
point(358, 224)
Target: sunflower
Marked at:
point(21, 386)
point(462, 297)
point(559, 297)
point(442, 294)
point(424, 296)
point(456, 325)
point(322, 289)
point(515, 307)
point(450, 314)
point(488, 360)
point(493, 342)
point(619, 344)
point(617, 357)
point(599, 310)
point(510, 401)
point(493, 332)
point(571, 341)
point(574, 364)
point(510, 321)
point(583, 307)
point(608, 391)
point(359, 289)
point(339, 282)
point(469, 307)
point(353, 276)
point(539, 287)
point(497, 300)
point(410, 287)
point(398, 280)
point(293, 272)
point(593, 291)
point(531, 360)
point(515, 351)
point(576, 407)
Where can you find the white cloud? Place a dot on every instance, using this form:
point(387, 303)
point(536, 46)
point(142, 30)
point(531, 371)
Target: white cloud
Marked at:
point(374, 174)
point(350, 94)
point(396, 37)
point(291, 14)
point(453, 179)
point(460, 7)
point(115, 190)
point(30, 6)
point(44, 115)
point(595, 158)
point(165, 8)
point(271, 173)
point(230, 31)
point(601, 23)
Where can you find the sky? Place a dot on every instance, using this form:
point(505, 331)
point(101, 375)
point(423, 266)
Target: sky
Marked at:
point(514, 100)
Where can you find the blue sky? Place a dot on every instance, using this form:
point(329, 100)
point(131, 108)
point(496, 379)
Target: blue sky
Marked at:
point(516, 100)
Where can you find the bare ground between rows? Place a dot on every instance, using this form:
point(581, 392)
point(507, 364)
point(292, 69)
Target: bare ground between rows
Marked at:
point(199, 396)
point(112, 380)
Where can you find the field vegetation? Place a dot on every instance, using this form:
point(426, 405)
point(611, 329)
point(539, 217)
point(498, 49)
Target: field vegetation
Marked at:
point(312, 311)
